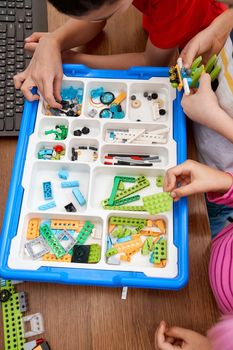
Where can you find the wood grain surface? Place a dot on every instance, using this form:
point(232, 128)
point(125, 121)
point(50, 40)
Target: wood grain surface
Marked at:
point(91, 318)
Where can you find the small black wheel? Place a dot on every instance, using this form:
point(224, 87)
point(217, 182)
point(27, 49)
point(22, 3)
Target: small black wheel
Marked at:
point(4, 295)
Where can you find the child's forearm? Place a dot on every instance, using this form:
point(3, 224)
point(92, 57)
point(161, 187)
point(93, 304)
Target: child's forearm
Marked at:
point(75, 33)
point(121, 61)
point(223, 24)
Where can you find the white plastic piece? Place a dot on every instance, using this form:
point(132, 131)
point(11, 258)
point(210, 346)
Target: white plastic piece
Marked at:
point(186, 86)
point(155, 111)
point(180, 62)
point(124, 293)
point(36, 325)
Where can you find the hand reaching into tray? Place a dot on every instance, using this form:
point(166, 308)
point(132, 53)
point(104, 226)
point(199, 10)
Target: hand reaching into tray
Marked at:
point(176, 338)
point(192, 177)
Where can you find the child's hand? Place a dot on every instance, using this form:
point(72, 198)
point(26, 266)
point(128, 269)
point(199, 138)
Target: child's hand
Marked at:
point(176, 338)
point(32, 41)
point(192, 177)
point(44, 71)
point(202, 106)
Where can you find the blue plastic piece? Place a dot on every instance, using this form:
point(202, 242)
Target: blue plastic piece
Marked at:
point(47, 206)
point(110, 278)
point(78, 195)
point(63, 174)
point(68, 184)
point(47, 189)
point(124, 239)
point(95, 93)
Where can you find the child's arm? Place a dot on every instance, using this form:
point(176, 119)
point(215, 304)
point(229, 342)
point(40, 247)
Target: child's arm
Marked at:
point(45, 69)
point(210, 40)
point(152, 56)
point(202, 107)
point(192, 177)
point(176, 338)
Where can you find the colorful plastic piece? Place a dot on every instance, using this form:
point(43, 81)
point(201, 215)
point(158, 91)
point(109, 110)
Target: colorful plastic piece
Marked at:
point(159, 181)
point(52, 257)
point(159, 252)
point(117, 220)
point(79, 196)
point(126, 200)
point(157, 203)
point(80, 254)
point(84, 233)
point(47, 189)
point(70, 208)
point(47, 206)
point(68, 184)
point(94, 254)
point(33, 229)
point(63, 174)
point(52, 241)
point(66, 224)
point(41, 247)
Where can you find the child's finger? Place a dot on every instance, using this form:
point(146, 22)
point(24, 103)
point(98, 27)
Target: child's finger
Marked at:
point(57, 88)
point(184, 191)
point(34, 37)
point(48, 92)
point(30, 46)
point(189, 53)
point(180, 333)
point(26, 89)
point(205, 83)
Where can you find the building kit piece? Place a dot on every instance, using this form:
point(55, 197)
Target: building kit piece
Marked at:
point(52, 257)
point(37, 247)
point(158, 203)
point(36, 325)
point(69, 184)
point(79, 196)
point(52, 241)
point(84, 233)
point(69, 242)
point(80, 254)
point(47, 190)
point(94, 254)
point(67, 224)
point(70, 208)
point(63, 174)
point(159, 181)
point(33, 229)
point(47, 206)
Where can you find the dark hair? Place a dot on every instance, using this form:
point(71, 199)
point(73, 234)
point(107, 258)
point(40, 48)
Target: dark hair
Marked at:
point(79, 7)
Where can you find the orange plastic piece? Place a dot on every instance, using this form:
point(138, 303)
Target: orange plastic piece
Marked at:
point(66, 224)
point(121, 97)
point(128, 254)
point(52, 257)
point(126, 247)
point(148, 233)
point(111, 228)
point(180, 78)
point(162, 264)
point(149, 223)
point(161, 225)
point(33, 229)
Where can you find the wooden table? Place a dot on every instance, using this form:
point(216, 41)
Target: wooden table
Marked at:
point(91, 318)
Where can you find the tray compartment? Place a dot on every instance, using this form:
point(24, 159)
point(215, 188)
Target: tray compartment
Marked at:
point(51, 124)
point(83, 150)
point(48, 172)
point(92, 125)
point(51, 150)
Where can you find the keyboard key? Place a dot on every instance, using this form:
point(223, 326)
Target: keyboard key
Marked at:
point(2, 77)
point(2, 70)
point(17, 121)
point(10, 98)
point(19, 94)
point(28, 13)
point(10, 76)
point(2, 108)
point(2, 85)
point(28, 26)
point(3, 11)
point(11, 48)
point(19, 51)
point(6, 18)
point(2, 114)
point(11, 4)
point(10, 68)
point(2, 56)
point(10, 41)
point(2, 92)
point(10, 90)
point(19, 65)
point(9, 113)
point(11, 54)
point(21, 19)
point(10, 105)
point(19, 32)
point(19, 101)
point(28, 4)
point(2, 63)
point(28, 20)
point(1, 124)
point(2, 27)
point(19, 58)
point(11, 30)
point(2, 36)
point(19, 5)
point(11, 61)
point(2, 99)
point(9, 83)
point(11, 12)
point(9, 124)
point(3, 4)
point(2, 49)
point(20, 45)
point(19, 109)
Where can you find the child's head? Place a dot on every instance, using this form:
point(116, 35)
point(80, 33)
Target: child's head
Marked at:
point(221, 335)
point(228, 2)
point(94, 10)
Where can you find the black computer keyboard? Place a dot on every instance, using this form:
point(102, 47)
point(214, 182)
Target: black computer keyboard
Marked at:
point(18, 19)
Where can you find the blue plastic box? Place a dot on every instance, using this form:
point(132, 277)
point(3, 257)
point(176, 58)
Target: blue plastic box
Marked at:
point(90, 276)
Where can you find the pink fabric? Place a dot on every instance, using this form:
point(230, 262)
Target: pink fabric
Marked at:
point(220, 335)
point(221, 259)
